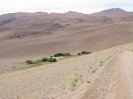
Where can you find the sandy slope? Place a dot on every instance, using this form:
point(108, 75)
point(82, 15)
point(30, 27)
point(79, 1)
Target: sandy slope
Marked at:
point(112, 80)
point(73, 39)
point(51, 80)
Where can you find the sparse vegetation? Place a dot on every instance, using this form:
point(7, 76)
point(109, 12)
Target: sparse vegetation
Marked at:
point(17, 96)
point(29, 62)
point(108, 58)
point(102, 62)
point(44, 59)
point(52, 60)
point(91, 67)
point(68, 54)
point(62, 54)
point(84, 52)
point(59, 54)
point(94, 70)
point(39, 61)
point(33, 62)
point(79, 53)
point(74, 81)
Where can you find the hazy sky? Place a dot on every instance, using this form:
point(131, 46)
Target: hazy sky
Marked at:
point(84, 6)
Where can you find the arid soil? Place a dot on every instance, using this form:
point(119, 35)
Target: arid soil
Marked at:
point(109, 79)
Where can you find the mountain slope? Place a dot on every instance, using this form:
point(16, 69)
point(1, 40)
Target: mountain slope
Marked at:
point(47, 34)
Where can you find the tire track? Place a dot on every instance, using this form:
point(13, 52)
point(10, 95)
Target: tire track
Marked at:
point(100, 88)
point(115, 80)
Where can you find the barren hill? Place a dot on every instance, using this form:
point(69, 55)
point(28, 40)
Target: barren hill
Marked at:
point(33, 35)
point(114, 12)
point(56, 37)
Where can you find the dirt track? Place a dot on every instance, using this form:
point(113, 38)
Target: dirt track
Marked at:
point(115, 81)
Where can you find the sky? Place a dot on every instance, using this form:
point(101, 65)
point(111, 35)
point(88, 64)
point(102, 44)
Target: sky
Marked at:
point(61, 6)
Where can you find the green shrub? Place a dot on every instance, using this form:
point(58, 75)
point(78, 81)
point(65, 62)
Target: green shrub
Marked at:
point(79, 53)
point(85, 52)
point(101, 63)
point(29, 62)
point(44, 59)
point(72, 84)
point(94, 70)
point(52, 60)
point(67, 54)
point(59, 54)
point(74, 80)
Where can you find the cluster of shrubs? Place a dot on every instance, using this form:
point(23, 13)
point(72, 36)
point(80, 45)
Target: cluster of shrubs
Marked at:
point(41, 60)
point(51, 59)
point(62, 54)
point(29, 62)
point(84, 52)
point(33, 62)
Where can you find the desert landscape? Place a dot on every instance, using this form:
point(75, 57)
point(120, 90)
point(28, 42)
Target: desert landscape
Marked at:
point(105, 73)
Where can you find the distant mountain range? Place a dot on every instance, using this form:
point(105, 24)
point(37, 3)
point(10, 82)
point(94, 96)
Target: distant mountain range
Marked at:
point(50, 33)
point(25, 24)
point(113, 12)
